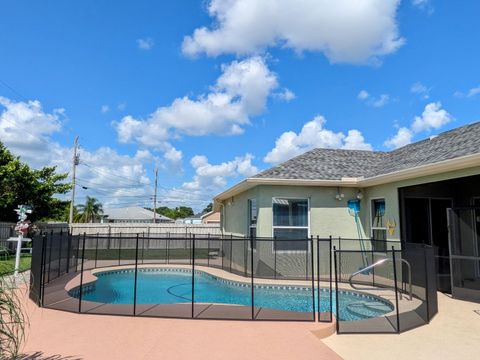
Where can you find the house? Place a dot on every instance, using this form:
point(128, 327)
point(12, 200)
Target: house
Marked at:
point(133, 214)
point(192, 220)
point(212, 217)
point(401, 195)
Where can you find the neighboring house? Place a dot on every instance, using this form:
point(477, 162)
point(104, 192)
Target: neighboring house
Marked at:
point(134, 214)
point(212, 217)
point(400, 195)
point(192, 220)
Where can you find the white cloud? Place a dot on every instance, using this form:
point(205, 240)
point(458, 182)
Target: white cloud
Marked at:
point(209, 179)
point(26, 130)
point(383, 100)
point(239, 93)
point(104, 109)
point(349, 31)
point(174, 158)
point(122, 106)
point(401, 138)
point(363, 95)
point(420, 89)
point(473, 91)
point(370, 100)
point(286, 95)
point(145, 43)
point(433, 118)
point(425, 5)
point(314, 135)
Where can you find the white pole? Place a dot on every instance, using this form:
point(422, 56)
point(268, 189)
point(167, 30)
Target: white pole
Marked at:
point(17, 255)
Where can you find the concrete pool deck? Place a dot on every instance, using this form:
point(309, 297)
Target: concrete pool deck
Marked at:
point(62, 335)
point(454, 333)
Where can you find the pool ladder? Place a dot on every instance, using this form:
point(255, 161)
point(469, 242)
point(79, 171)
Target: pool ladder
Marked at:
point(378, 263)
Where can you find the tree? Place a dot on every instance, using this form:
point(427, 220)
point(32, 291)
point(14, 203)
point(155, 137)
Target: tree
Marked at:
point(19, 184)
point(90, 211)
point(208, 208)
point(175, 213)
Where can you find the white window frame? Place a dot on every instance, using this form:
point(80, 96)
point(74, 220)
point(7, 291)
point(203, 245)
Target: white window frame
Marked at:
point(291, 227)
point(372, 228)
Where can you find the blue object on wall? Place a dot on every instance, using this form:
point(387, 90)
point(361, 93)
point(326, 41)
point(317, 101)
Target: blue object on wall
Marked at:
point(354, 205)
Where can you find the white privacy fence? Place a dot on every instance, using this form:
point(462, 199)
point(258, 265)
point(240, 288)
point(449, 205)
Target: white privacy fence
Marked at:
point(146, 229)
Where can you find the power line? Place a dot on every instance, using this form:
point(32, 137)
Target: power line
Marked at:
point(112, 174)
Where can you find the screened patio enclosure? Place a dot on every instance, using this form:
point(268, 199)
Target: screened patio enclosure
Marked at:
point(425, 218)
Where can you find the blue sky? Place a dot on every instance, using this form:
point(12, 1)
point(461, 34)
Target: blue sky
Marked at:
point(213, 91)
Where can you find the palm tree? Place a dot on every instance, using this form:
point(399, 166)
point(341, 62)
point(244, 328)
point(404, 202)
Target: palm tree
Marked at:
point(90, 211)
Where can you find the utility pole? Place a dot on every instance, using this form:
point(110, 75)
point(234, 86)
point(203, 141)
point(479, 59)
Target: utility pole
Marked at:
point(75, 162)
point(155, 198)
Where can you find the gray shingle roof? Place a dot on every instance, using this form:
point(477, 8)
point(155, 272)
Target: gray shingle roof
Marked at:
point(334, 164)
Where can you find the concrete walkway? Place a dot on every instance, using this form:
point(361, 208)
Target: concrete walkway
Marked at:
point(61, 335)
point(454, 333)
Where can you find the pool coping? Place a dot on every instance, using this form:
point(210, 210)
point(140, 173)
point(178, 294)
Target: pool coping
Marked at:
point(223, 310)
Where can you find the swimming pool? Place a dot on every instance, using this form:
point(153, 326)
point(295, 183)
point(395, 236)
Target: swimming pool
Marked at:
point(174, 285)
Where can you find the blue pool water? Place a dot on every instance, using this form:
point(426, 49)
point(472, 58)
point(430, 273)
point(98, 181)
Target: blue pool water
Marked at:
point(170, 286)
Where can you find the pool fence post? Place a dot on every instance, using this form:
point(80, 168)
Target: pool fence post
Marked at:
point(96, 250)
point(330, 274)
point(135, 283)
point(42, 265)
point(168, 248)
point(143, 242)
point(373, 271)
point(77, 253)
point(81, 276)
point(396, 289)
point(119, 247)
point(69, 248)
point(306, 258)
point(252, 281)
point(208, 251)
point(50, 255)
point(313, 277)
point(231, 247)
point(318, 277)
point(336, 289)
point(245, 255)
point(340, 256)
point(274, 257)
point(60, 253)
point(193, 275)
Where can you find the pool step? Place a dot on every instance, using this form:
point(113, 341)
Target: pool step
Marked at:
point(369, 309)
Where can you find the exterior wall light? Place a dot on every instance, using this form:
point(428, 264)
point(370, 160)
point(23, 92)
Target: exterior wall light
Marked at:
point(339, 195)
point(359, 195)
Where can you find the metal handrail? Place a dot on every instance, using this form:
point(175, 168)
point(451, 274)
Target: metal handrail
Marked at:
point(378, 263)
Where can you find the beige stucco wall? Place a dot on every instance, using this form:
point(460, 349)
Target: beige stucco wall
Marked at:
point(328, 216)
point(390, 193)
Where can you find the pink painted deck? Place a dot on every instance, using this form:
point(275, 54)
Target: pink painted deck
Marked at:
point(81, 336)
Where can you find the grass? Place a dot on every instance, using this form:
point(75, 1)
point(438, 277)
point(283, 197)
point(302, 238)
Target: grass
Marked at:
point(8, 266)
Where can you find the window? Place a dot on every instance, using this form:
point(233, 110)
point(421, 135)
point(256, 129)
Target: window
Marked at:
point(290, 222)
point(379, 227)
point(252, 220)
